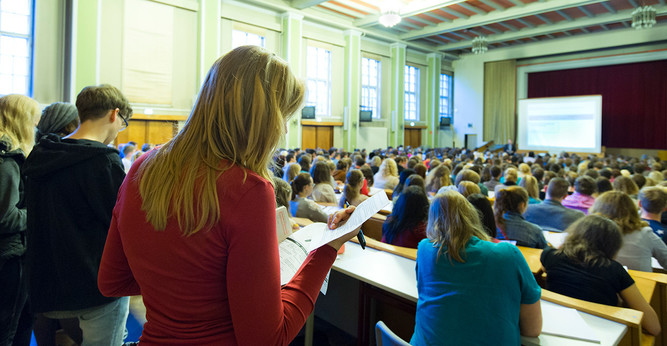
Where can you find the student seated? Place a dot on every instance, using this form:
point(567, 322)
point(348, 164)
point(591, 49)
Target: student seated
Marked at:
point(300, 205)
point(627, 185)
point(551, 215)
point(387, 175)
point(584, 268)
point(406, 226)
point(323, 190)
point(471, 291)
point(581, 199)
point(352, 190)
point(509, 179)
point(483, 206)
point(467, 188)
point(652, 203)
point(529, 183)
point(639, 241)
point(511, 202)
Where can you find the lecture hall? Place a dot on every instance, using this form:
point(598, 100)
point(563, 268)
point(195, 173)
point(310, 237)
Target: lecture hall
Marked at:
point(453, 135)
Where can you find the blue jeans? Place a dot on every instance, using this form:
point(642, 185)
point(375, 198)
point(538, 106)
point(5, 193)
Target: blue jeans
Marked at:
point(102, 325)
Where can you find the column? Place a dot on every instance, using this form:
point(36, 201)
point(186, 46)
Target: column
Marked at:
point(86, 31)
point(352, 88)
point(291, 50)
point(209, 36)
point(398, 58)
point(433, 98)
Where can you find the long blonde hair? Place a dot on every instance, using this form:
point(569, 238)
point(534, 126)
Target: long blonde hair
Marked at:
point(239, 117)
point(452, 221)
point(18, 115)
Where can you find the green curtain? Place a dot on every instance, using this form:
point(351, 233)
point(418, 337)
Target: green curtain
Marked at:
point(500, 101)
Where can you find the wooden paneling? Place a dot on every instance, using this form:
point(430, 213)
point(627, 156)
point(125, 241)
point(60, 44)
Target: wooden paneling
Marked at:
point(325, 137)
point(147, 131)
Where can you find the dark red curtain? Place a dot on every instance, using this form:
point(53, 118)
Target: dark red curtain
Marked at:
point(634, 99)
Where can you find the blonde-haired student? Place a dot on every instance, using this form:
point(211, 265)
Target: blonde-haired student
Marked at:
point(18, 116)
point(462, 277)
point(194, 229)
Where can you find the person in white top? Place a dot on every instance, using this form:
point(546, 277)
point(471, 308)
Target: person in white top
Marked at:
point(128, 151)
point(387, 175)
point(639, 241)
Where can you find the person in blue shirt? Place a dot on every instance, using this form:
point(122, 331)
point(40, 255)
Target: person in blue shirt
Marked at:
point(510, 205)
point(467, 284)
point(653, 202)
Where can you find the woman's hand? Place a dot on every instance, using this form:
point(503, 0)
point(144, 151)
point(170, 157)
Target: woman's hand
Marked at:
point(336, 220)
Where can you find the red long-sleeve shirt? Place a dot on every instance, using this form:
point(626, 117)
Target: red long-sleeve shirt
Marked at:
point(215, 287)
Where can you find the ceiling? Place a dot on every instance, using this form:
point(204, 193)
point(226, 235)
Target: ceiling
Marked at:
point(450, 27)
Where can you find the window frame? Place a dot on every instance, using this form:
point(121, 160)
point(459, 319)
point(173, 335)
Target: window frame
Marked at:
point(316, 79)
point(406, 92)
point(30, 38)
point(376, 109)
point(448, 113)
point(247, 34)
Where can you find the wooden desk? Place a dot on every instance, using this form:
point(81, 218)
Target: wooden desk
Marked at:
point(370, 268)
point(652, 286)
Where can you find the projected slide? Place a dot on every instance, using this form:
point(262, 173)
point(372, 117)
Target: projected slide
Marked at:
point(561, 124)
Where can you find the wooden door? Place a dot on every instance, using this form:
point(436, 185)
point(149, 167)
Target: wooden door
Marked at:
point(325, 137)
point(412, 137)
point(316, 137)
point(308, 136)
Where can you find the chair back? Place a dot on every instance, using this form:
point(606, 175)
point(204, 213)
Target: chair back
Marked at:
point(385, 337)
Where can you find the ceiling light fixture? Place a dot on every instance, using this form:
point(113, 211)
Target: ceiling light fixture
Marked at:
point(643, 17)
point(480, 45)
point(390, 13)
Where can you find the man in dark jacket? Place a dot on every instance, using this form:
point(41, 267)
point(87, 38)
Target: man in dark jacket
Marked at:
point(71, 190)
point(551, 215)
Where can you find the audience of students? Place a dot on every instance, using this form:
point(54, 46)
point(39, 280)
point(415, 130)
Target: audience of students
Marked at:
point(18, 116)
point(509, 206)
point(462, 277)
point(640, 244)
point(584, 268)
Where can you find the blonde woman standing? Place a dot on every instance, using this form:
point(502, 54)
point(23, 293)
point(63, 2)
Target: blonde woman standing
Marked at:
point(18, 116)
point(194, 229)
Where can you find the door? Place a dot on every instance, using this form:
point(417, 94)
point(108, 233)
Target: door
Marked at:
point(313, 137)
point(412, 137)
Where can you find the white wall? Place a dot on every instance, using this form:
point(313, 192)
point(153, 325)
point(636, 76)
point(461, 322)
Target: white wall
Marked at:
point(469, 70)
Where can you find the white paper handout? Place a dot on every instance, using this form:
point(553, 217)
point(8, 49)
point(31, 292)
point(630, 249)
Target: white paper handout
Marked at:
point(294, 250)
point(362, 213)
point(566, 322)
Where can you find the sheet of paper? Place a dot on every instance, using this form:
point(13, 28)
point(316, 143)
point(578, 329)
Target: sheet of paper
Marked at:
point(555, 239)
point(329, 209)
point(283, 224)
point(294, 250)
point(566, 322)
point(362, 213)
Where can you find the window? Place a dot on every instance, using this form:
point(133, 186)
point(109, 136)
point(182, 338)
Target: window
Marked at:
point(242, 38)
point(16, 29)
point(445, 96)
point(370, 86)
point(319, 80)
point(411, 101)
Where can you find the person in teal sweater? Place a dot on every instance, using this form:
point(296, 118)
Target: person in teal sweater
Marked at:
point(461, 277)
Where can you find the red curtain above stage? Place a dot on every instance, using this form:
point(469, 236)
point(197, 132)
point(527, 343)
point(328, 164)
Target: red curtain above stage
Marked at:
point(634, 99)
